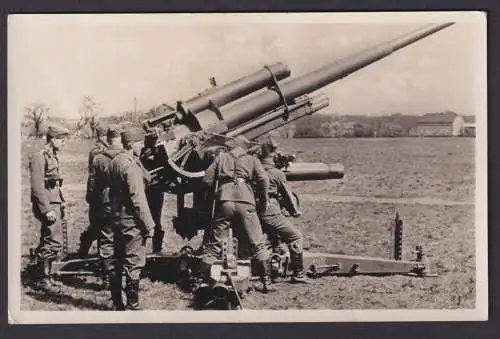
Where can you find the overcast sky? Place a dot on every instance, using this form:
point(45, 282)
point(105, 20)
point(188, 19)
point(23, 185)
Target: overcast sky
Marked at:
point(57, 59)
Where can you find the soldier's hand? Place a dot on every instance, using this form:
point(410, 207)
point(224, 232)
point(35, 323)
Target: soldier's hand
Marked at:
point(51, 216)
point(63, 211)
point(262, 206)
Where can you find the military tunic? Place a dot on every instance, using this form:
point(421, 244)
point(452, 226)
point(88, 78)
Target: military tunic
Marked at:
point(99, 187)
point(46, 195)
point(131, 215)
point(235, 172)
point(96, 213)
point(274, 223)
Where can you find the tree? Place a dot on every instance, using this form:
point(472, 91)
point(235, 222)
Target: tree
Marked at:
point(88, 114)
point(37, 114)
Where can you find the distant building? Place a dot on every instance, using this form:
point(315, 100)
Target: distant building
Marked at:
point(440, 124)
point(469, 126)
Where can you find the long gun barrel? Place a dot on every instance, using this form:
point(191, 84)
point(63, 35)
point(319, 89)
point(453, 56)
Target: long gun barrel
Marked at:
point(222, 95)
point(239, 112)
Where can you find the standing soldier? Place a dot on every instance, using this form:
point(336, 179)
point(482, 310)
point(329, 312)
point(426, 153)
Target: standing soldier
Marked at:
point(233, 173)
point(98, 187)
point(47, 201)
point(93, 198)
point(154, 194)
point(274, 223)
point(133, 225)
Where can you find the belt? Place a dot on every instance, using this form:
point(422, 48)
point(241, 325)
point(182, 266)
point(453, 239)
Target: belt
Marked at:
point(234, 181)
point(53, 182)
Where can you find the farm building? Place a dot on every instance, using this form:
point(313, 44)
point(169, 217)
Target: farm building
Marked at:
point(469, 126)
point(440, 124)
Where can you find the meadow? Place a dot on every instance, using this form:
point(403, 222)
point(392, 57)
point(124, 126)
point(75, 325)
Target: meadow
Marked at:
point(429, 181)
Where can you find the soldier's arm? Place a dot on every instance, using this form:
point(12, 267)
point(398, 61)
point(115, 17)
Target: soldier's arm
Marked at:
point(91, 158)
point(135, 182)
point(91, 181)
point(37, 168)
point(286, 194)
point(262, 182)
point(210, 172)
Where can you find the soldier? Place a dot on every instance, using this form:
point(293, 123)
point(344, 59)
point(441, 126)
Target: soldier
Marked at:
point(93, 198)
point(47, 202)
point(274, 223)
point(233, 173)
point(98, 187)
point(154, 194)
point(133, 225)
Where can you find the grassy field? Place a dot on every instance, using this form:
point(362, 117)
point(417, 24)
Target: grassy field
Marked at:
point(429, 181)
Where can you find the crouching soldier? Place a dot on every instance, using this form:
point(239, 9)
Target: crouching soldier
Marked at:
point(132, 224)
point(233, 174)
point(274, 223)
point(93, 198)
point(47, 202)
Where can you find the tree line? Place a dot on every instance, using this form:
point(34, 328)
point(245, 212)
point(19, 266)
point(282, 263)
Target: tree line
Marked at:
point(38, 115)
point(344, 126)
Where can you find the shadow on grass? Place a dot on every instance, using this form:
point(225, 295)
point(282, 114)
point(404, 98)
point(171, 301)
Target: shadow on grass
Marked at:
point(64, 299)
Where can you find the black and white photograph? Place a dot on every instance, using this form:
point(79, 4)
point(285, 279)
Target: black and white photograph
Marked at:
point(244, 167)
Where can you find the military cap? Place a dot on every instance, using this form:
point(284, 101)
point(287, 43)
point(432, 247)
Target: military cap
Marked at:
point(57, 131)
point(113, 132)
point(270, 143)
point(132, 135)
point(101, 130)
point(239, 141)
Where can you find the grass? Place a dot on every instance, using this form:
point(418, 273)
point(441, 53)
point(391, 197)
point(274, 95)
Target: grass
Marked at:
point(385, 168)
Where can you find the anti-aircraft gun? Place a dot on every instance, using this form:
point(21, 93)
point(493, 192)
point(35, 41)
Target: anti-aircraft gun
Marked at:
point(185, 139)
point(181, 143)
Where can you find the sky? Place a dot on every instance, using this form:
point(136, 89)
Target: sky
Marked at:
point(59, 59)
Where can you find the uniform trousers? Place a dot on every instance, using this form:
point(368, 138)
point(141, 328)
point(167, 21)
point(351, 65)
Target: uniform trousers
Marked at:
point(50, 244)
point(244, 220)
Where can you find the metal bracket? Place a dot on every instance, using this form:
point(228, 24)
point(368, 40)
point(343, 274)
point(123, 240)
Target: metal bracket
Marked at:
point(213, 107)
point(276, 87)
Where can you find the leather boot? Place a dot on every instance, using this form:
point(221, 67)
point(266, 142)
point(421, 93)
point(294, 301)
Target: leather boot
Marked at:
point(132, 292)
point(116, 292)
point(106, 282)
point(85, 244)
point(46, 283)
point(297, 263)
point(51, 277)
point(265, 279)
point(158, 239)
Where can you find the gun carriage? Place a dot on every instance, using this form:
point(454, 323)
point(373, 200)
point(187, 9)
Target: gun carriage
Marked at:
point(182, 142)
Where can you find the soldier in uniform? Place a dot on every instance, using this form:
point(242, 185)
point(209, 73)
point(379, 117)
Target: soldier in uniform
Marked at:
point(93, 198)
point(98, 187)
point(154, 194)
point(274, 223)
point(233, 174)
point(48, 201)
point(133, 225)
